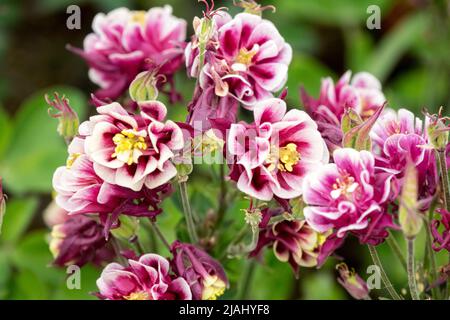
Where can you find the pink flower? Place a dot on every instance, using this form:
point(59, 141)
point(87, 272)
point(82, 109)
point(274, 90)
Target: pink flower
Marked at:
point(273, 155)
point(205, 275)
point(294, 242)
point(81, 191)
point(348, 196)
point(362, 94)
point(441, 239)
point(79, 240)
point(132, 151)
point(145, 279)
point(246, 58)
point(352, 282)
point(125, 42)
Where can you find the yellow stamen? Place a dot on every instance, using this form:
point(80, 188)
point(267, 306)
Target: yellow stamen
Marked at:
point(128, 146)
point(213, 287)
point(245, 56)
point(344, 186)
point(71, 159)
point(139, 295)
point(284, 158)
point(138, 17)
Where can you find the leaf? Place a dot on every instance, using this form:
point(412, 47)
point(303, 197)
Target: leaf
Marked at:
point(391, 48)
point(5, 131)
point(36, 149)
point(28, 285)
point(18, 216)
point(5, 272)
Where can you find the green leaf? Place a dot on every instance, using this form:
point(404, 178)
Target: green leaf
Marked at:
point(392, 47)
point(5, 272)
point(19, 213)
point(36, 149)
point(28, 285)
point(5, 131)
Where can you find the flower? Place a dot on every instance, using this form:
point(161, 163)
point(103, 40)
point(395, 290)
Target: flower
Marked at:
point(204, 274)
point(54, 214)
point(441, 239)
point(349, 196)
point(68, 118)
point(81, 191)
point(352, 282)
point(147, 278)
point(293, 241)
point(362, 94)
point(79, 240)
point(124, 43)
point(273, 155)
point(132, 150)
point(400, 137)
point(243, 57)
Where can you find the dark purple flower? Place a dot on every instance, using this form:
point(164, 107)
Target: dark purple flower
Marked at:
point(441, 239)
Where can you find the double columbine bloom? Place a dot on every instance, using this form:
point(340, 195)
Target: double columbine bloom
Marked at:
point(125, 42)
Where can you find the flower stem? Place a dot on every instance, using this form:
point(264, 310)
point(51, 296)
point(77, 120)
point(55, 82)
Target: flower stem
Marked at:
point(117, 250)
point(247, 279)
point(442, 164)
point(160, 235)
point(384, 277)
point(395, 247)
point(431, 259)
point(188, 212)
point(412, 271)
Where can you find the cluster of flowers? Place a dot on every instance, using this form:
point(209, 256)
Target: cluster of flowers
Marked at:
point(343, 160)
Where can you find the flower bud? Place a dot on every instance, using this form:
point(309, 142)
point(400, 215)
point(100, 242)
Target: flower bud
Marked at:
point(128, 227)
point(78, 240)
point(352, 282)
point(68, 118)
point(145, 86)
point(438, 130)
point(252, 7)
point(409, 216)
point(205, 275)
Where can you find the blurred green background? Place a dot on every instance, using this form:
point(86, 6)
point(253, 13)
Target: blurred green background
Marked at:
point(410, 54)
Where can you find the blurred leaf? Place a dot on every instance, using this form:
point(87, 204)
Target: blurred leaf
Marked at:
point(19, 213)
point(5, 131)
point(332, 12)
point(305, 70)
point(28, 285)
point(321, 285)
point(391, 48)
point(359, 45)
point(5, 271)
point(32, 253)
point(36, 149)
point(89, 275)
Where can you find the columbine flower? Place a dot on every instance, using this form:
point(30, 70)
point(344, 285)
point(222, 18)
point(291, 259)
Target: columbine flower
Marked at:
point(352, 282)
point(147, 278)
point(81, 191)
point(129, 150)
point(400, 137)
point(204, 274)
point(362, 94)
point(245, 58)
point(441, 239)
point(125, 41)
point(54, 214)
point(294, 242)
point(348, 196)
point(273, 155)
point(78, 240)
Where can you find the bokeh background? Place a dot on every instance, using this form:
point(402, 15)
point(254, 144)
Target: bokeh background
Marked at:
point(410, 54)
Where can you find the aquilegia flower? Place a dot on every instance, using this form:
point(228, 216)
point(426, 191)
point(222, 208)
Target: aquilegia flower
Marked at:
point(273, 155)
point(81, 191)
point(204, 274)
point(362, 94)
point(147, 278)
point(352, 282)
point(441, 239)
point(79, 240)
point(125, 42)
point(348, 197)
point(246, 58)
point(294, 242)
point(132, 150)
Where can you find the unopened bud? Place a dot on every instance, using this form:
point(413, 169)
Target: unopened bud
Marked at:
point(409, 216)
point(145, 86)
point(68, 118)
point(127, 229)
point(438, 130)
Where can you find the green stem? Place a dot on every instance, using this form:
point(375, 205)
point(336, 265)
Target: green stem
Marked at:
point(384, 277)
point(160, 235)
point(412, 271)
point(223, 195)
point(432, 260)
point(395, 247)
point(188, 212)
point(137, 243)
point(442, 164)
point(117, 250)
point(247, 280)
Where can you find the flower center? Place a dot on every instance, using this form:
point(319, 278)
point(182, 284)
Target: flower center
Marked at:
point(138, 17)
point(343, 186)
point(286, 159)
point(129, 146)
point(139, 295)
point(213, 287)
